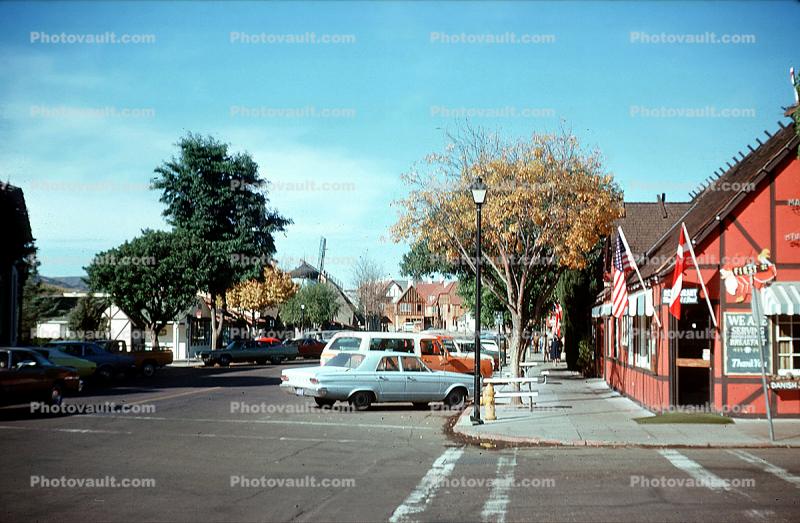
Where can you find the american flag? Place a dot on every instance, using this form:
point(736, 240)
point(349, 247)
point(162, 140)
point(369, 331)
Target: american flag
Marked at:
point(619, 294)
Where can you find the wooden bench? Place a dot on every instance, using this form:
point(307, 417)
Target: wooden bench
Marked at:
point(530, 393)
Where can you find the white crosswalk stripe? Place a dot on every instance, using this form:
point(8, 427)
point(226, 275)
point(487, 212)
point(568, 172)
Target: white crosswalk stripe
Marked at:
point(695, 470)
point(766, 466)
point(496, 506)
point(421, 496)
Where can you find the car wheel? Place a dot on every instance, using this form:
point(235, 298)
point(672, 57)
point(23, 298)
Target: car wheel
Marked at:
point(106, 373)
point(56, 395)
point(360, 400)
point(420, 406)
point(208, 363)
point(224, 360)
point(456, 399)
point(324, 403)
point(148, 369)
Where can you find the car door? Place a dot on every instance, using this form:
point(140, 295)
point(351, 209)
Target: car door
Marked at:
point(28, 380)
point(391, 382)
point(421, 383)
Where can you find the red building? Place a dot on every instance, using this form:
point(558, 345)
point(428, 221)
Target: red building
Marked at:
point(747, 215)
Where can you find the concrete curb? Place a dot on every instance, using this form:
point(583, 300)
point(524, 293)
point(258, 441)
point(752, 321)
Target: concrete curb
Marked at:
point(477, 439)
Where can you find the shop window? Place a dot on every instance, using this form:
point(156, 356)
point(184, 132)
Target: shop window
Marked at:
point(624, 327)
point(643, 340)
point(788, 342)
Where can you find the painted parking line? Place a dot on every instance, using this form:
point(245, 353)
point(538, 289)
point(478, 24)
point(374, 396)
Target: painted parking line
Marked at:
point(496, 507)
point(170, 396)
point(71, 431)
point(263, 422)
point(421, 496)
point(695, 470)
point(766, 466)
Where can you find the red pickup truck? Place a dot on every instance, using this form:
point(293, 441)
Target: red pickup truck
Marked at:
point(146, 361)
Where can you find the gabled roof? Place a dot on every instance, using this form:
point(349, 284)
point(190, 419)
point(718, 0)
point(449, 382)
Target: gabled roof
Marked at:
point(645, 222)
point(305, 271)
point(721, 197)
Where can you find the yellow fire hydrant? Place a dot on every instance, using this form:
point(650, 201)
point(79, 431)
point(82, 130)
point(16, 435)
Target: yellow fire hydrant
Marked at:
point(487, 398)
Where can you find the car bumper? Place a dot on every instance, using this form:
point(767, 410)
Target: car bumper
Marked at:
point(308, 392)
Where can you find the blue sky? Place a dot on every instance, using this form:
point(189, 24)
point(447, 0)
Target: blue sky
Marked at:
point(380, 103)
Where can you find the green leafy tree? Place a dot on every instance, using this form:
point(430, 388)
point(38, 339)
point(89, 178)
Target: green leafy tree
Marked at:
point(220, 201)
point(321, 301)
point(575, 292)
point(39, 302)
point(151, 278)
point(87, 320)
point(419, 262)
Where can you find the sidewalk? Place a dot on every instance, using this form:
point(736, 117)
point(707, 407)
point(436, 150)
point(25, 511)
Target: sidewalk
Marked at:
point(572, 411)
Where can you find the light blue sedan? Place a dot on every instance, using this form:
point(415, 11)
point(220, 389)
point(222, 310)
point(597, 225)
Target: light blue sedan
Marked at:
point(377, 377)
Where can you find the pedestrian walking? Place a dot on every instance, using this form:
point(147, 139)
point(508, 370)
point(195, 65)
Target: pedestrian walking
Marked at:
point(555, 350)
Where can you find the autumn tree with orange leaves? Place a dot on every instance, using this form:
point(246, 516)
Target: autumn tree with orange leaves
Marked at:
point(548, 204)
point(274, 288)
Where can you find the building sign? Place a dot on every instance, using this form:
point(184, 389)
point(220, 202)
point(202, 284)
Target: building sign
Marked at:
point(688, 296)
point(784, 385)
point(741, 343)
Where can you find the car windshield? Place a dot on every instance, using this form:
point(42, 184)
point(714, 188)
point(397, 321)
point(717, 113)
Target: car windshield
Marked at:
point(349, 361)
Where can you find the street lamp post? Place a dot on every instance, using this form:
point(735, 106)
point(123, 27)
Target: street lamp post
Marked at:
point(478, 189)
point(302, 318)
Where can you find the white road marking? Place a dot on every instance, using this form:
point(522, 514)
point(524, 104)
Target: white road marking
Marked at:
point(766, 466)
point(170, 396)
point(186, 434)
point(497, 505)
point(695, 470)
point(262, 421)
point(76, 431)
point(421, 496)
point(760, 515)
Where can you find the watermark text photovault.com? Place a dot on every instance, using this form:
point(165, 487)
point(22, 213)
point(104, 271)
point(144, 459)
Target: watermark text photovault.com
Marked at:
point(301, 482)
point(708, 111)
point(106, 38)
point(102, 482)
point(705, 38)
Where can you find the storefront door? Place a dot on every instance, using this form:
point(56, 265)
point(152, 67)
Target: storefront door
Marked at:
point(691, 371)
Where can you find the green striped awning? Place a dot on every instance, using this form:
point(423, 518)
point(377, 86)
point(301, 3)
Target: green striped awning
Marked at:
point(781, 298)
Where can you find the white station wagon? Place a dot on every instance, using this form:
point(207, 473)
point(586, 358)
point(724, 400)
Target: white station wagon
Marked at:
point(377, 377)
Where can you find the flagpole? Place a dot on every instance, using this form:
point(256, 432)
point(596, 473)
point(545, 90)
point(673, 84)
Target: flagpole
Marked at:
point(636, 268)
point(699, 276)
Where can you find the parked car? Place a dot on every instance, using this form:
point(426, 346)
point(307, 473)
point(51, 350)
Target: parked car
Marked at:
point(145, 361)
point(380, 376)
point(108, 364)
point(307, 347)
point(59, 358)
point(467, 348)
point(439, 352)
point(269, 339)
point(249, 351)
point(26, 375)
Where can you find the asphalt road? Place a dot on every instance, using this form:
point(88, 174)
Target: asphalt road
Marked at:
point(227, 445)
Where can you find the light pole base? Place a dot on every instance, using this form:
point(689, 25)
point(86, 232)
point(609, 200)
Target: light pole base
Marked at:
point(475, 421)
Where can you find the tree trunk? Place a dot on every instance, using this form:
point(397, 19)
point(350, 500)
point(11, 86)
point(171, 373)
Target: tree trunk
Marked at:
point(154, 330)
point(517, 349)
point(217, 321)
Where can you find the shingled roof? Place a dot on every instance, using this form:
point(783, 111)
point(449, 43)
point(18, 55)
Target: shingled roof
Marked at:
point(645, 222)
point(721, 197)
